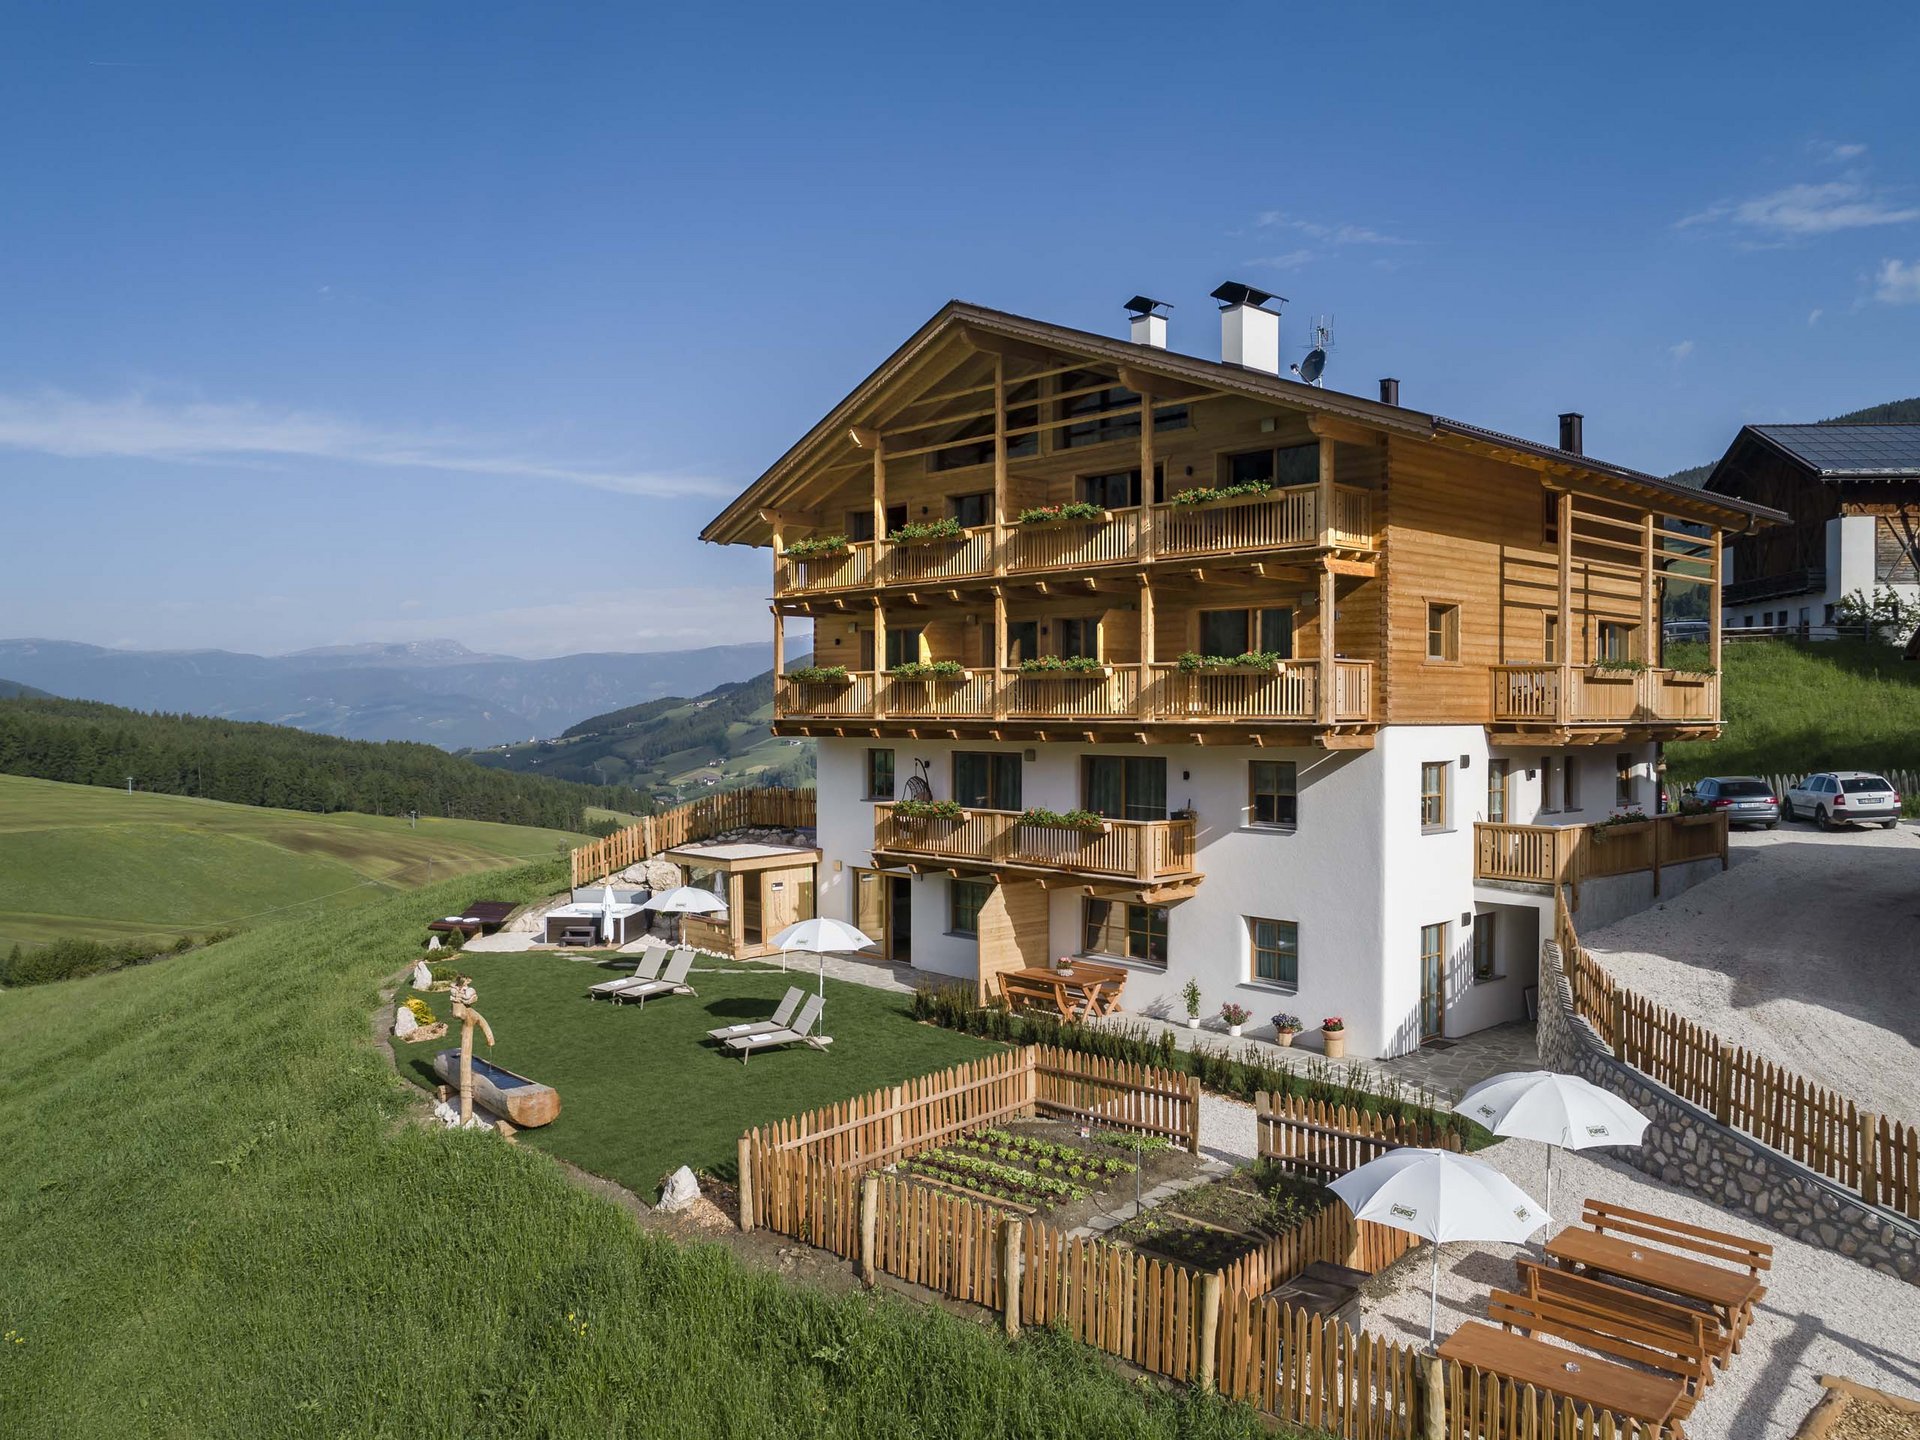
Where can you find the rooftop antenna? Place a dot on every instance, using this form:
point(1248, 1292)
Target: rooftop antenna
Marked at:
point(1314, 363)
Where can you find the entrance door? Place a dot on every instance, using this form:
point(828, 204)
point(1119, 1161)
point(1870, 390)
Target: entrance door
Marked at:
point(900, 919)
point(882, 908)
point(1433, 982)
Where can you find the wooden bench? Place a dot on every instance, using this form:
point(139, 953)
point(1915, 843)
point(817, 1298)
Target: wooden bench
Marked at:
point(1090, 990)
point(1754, 1255)
point(1619, 1243)
point(1602, 1384)
point(1608, 1335)
point(1692, 1329)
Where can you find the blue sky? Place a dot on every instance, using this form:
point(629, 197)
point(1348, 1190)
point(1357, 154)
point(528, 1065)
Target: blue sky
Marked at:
point(346, 322)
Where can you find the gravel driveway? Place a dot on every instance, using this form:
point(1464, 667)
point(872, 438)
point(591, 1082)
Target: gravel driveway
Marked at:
point(1807, 950)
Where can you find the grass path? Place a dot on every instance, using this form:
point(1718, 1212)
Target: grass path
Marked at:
point(222, 1219)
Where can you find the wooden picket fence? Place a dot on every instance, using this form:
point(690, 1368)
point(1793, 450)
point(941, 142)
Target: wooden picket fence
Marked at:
point(1319, 1373)
point(1744, 1090)
point(700, 819)
point(1150, 1312)
point(1477, 1403)
point(1120, 1094)
point(1332, 1235)
point(1316, 1137)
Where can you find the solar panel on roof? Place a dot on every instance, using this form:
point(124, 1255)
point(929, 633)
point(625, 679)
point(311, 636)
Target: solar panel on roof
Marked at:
point(1851, 450)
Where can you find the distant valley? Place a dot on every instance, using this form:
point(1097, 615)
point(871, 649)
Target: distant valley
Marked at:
point(435, 691)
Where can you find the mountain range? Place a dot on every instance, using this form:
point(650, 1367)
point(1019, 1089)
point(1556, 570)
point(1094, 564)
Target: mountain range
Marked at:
point(436, 691)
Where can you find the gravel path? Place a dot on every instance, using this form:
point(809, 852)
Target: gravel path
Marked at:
point(1823, 1313)
point(1806, 951)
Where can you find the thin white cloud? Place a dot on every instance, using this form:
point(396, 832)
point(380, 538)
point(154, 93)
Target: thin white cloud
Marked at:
point(1681, 351)
point(1291, 260)
point(1839, 153)
point(138, 426)
point(664, 618)
point(1796, 212)
point(1327, 238)
point(1897, 282)
point(1813, 317)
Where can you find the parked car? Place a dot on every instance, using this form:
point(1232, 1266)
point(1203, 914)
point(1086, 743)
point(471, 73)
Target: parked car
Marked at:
point(1834, 797)
point(1747, 799)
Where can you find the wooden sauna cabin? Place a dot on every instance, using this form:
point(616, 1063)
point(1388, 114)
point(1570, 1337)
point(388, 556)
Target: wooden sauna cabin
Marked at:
point(767, 887)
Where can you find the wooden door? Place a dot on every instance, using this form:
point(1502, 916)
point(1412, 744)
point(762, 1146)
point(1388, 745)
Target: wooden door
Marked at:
point(1433, 982)
point(872, 909)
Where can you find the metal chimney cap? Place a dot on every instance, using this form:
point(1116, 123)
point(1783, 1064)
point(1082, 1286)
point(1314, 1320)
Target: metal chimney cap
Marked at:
point(1142, 305)
point(1234, 293)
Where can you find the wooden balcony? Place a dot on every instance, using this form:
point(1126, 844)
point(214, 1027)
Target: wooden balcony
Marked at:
point(1147, 853)
point(1287, 693)
point(1285, 519)
point(1569, 854)
point(1548, 696)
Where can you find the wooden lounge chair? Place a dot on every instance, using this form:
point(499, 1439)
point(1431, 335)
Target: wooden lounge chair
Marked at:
point(789, 1003)
point(672, 981)
point(1683, 1325)
point(1607, 1335)
point(800, 1034)
point(648, 968)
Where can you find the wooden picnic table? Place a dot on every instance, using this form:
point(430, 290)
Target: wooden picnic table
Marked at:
point(1729, 1293)
point(1089, 990)
point(1585, 1379)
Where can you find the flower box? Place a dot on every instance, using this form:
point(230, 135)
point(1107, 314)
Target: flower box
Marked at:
point(928, 532)
point(1061, 670)
point(1074, 514)
point(834, 677)
point(830, 548)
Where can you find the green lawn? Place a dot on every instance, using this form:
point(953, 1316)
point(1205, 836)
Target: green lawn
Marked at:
point(100, 864)
point(1789, 708)
point(221, 1218)
point(642, 1090)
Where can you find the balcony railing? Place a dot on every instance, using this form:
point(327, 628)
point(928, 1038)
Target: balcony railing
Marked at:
point(1280, 520)
point(1143, 851)
point(1568, 854)
point(1583, 695)
point(1289, 692)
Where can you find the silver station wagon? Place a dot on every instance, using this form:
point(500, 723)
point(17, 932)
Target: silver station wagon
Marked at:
point(1747, 799)
point(1836, 797)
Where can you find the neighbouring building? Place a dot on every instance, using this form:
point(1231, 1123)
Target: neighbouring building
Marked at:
point(1314, 667)
point(1851, 494)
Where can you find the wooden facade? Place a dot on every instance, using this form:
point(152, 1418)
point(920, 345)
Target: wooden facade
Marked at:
point(1472, 578)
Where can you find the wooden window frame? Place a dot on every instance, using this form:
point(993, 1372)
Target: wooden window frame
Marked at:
point(1255, 949)
point(1256, 637)
point(955, 885)
point(1435, 801)
point(1500, 784)
point(1484, 924)
point(893, 774)
point(1145, 931)
point(1448, 630)
point(1292, 793)
point(1625, 630)
point(1623, 779)
point(1550, 638)
point(994, 762)
point(1569, 783)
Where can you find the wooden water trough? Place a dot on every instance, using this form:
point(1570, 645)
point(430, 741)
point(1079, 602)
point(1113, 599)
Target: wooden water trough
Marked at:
point(525, 1103)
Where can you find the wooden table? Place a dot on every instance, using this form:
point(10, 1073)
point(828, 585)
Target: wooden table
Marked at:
point(1729, 1293)
point(1090, 990)
point(1583, 1378)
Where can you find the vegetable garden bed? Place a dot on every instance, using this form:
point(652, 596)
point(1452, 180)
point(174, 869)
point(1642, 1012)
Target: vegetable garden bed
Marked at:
point(1212, 1225)
point(1047, 1166)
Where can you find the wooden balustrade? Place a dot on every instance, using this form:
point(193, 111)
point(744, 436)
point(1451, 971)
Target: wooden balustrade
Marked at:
point(969, 697)
point(1121, 849)
point(923, 560)
point(1568, 854)
point(851, 568)
point(1352, 518)
point(1587, 695)
point(1071, 544)
point(850, 698)
point(1287, 692)
point(1352, 690)
point(1110, 695)
point(1273, 521)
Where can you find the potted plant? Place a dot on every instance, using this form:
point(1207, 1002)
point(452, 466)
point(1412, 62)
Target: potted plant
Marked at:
point(927, 532)
point(1261, 662)
point(929, 810)
point(1055, 514)
point(929, 670)
point(1190, 997)
point(1083, 820)
point(1064, 965)
point(1285, 1027)
point(1333, 1035)
point(817, 547)
point(1234, 1016)
point(1074, 665)
point(1212, 494)
point(820, 675)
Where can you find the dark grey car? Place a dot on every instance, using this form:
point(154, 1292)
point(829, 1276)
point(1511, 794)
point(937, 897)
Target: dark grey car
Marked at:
point(1747, 799)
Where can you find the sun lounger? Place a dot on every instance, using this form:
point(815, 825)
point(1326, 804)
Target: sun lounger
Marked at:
point(648, 968)
point(800, 1034)
point(673, 981)
point(789, 1003)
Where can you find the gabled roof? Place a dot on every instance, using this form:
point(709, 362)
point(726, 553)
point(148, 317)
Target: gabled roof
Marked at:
point(956, 317)
point(1847, 452)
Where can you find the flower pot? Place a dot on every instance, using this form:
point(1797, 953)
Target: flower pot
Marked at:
point(1234, 1031)
point(1193, 1022)
point(1284, 1037)
point(1335, 1042)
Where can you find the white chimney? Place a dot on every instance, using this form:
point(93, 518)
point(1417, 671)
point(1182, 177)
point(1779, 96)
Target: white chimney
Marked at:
point(1149, 326)
point(1249, 334)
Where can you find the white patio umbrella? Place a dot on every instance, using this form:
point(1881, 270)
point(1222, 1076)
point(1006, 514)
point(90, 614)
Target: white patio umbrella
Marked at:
point(1562, 1111)
point(1439, 1196)
point(685, 900)
point(606, 914)
point(822, 938)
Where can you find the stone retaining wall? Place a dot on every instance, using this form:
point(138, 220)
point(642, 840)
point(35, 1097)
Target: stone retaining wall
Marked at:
point(1687, 1147)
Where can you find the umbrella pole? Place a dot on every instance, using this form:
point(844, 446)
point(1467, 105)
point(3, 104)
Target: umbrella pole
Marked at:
point(1433, 1296)
point(1550, 1150)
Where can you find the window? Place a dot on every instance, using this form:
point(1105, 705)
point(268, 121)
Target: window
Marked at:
point(1616, 641)
point(1550, 517)
point(1129, 932)
point(987, 780)
point(1276, 951)
point(1119, 489)
point(879, 774)
point(905, 645)
point(1125, 787)
point(1274, 799)
point(1550, 640)
point(1236, 632)
point(1546, 784)
point(1089, 411)
point(1433, 795)
point(860, 522)
point(1485, 939)
point(1023, 641)
point(1443, 632)
point(1290, 465)
point(1570, 783)
point(958, 456)
point(1623, 779)
point(1079, 636)
point(972, 510)
point(965, 898)
point(1499, 776)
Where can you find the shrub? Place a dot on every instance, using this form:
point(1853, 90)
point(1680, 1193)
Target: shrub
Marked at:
point(1234, 1014)
point(422, 1011)
point(70, 959)
point(1286, 1024)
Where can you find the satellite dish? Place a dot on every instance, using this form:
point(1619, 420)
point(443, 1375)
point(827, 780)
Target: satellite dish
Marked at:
point(1313, 366)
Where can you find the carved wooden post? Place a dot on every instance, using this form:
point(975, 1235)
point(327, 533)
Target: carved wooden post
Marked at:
point(1011, 1241)
point(746, 1184)
point(463, 995)
point(1433, 1417)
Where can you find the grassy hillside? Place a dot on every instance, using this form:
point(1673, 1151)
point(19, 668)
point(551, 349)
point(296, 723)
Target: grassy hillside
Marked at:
point(83, 861)
point(221, 1222)
point(1845, 704)
point(671, 748)
point(14, 690)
